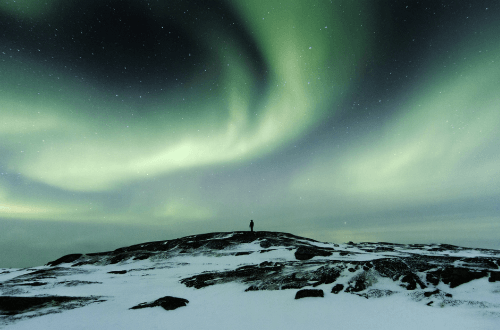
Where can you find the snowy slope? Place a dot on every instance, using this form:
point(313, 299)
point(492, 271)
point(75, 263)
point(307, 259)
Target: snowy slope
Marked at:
point(241, 280)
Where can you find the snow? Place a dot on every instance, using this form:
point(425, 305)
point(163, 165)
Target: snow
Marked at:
point(9, 273)
point(228, 306)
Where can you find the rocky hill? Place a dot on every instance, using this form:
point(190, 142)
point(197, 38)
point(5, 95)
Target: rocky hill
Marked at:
point(156, 274)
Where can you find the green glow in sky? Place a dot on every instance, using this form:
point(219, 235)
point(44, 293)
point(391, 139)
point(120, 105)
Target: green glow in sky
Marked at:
point(71, 149)
point(433, 149)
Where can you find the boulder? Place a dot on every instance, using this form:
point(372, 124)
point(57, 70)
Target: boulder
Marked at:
point(494, 276)
point(337, 288)
point(309, 293)
point(168, 303)
point(306, 253)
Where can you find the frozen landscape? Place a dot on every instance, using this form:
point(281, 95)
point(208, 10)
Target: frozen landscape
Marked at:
point(261, 280)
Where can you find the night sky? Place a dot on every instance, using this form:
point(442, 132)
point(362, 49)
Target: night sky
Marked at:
point(124, 122)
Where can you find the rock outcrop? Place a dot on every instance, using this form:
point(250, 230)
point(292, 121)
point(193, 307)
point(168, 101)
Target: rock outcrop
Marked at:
point(40, 305)
point(258, 261)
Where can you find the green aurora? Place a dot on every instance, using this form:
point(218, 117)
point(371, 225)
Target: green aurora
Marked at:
point(130, 121)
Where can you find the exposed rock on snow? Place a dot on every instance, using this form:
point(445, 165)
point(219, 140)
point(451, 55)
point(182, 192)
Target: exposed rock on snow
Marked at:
point(65, 259)
point(304, 293)
point(16, 308)
point(494, 276)
point(337, 288)
point(168, 303)
point(431, 275)
point(454, 276)
point(306, 253)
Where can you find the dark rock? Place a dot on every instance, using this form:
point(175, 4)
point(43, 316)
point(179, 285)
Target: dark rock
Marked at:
point(43, 274)
point(168, 303)
point(218, 244)
point(494, 276)
point(271, 276)
point(326, 274)
point(431, 293)
point(337, 288)
point(12, 305)
point(34, 283)
point(396, 268)
point(243, 253)
point(450, 247)
point(356, 286)
point(216, 241)
point(201, 280)
point(76, 282)
point(294, 285)
point(117, 272)
point(119, 258)
point(411, 280)
point(421, 263)
point(102, 254)
point(66, 259)
point(142, 256)
point(454, 276)
point(437, 292)
point(246, 274)
point(275, 241)
point(306, 253)
point(309, 293)
point(486, 263)
point(265, 244)
point(391, 267)
point(433, 278)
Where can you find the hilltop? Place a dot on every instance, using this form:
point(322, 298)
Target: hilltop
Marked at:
point(238, 274)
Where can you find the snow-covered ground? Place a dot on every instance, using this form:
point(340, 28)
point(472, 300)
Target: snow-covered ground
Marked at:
point(229, 306)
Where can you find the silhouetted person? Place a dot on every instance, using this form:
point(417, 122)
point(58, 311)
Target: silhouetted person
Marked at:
point(251, 226)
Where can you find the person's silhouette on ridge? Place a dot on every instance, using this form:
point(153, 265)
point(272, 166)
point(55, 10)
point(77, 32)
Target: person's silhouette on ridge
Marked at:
point(251, 225)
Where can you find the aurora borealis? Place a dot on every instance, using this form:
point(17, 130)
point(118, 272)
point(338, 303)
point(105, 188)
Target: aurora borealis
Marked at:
point(128, 121)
